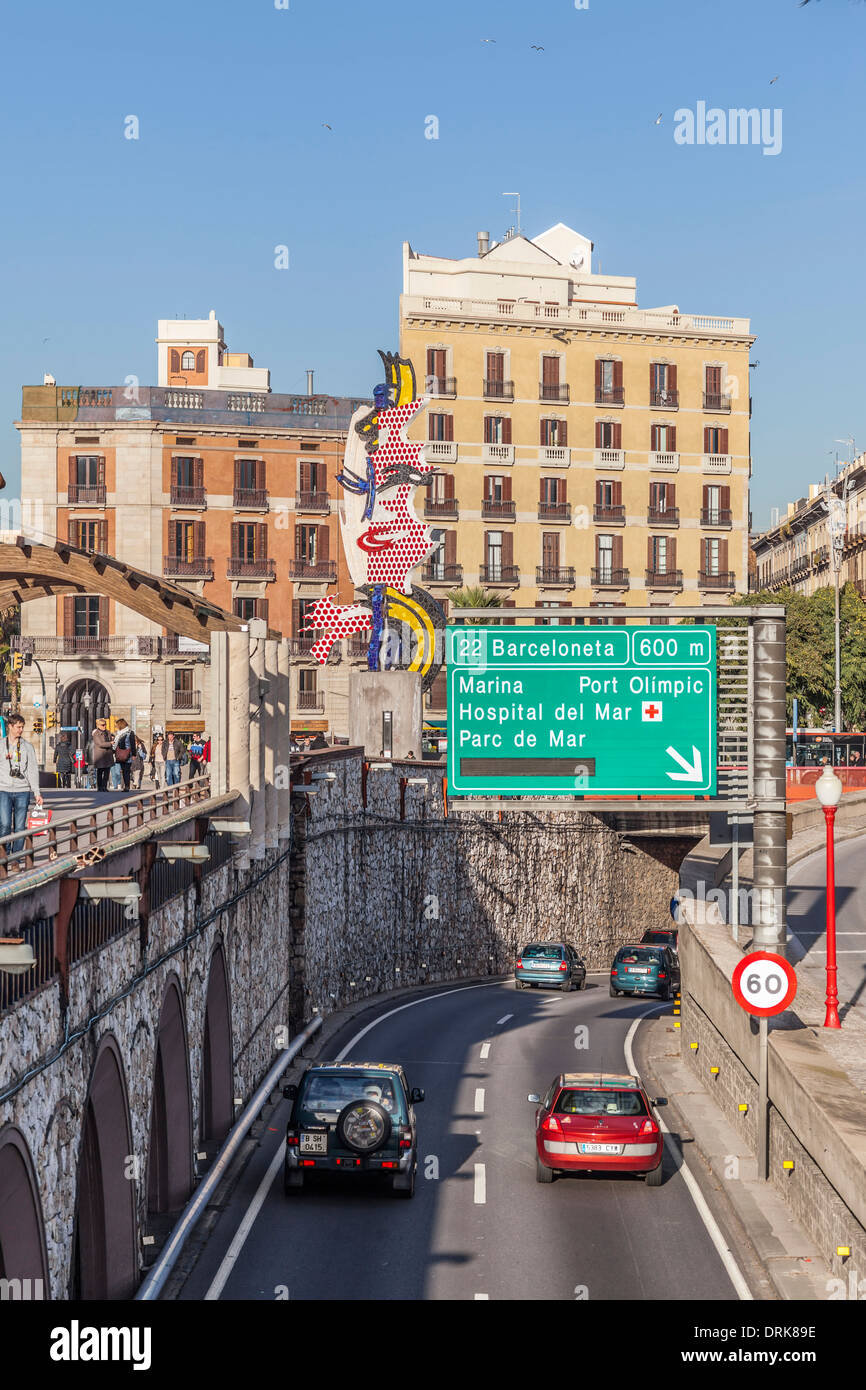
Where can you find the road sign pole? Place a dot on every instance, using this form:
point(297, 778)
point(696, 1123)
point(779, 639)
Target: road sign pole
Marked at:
point(763, 1101)
point(768, 755)
point(735, 880)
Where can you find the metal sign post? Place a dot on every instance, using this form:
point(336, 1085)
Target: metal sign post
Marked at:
point(764, 984)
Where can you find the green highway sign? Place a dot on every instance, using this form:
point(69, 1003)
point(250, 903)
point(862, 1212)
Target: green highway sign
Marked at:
point(596, 711)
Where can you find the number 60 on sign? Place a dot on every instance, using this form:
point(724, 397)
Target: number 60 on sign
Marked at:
point(764, 984)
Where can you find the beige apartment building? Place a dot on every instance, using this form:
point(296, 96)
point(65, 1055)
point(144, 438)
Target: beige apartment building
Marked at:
point(590, 452)
point(796, 553)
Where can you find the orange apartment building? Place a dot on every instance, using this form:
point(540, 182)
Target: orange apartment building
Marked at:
point(209, 479)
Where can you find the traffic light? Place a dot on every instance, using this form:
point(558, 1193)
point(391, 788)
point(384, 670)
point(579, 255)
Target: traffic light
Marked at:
point(37, 726)
point(50, 719)
point(17, 661)
point(28, 657)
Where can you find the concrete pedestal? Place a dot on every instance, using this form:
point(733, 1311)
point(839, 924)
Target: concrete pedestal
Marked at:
point(372, 695)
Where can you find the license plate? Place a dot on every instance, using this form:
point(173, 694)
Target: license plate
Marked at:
point(638, 970)
point(314, 1144)
point(599, 1148)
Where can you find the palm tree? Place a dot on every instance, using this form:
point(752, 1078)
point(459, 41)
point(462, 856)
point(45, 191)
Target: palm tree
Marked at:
point(476, 597)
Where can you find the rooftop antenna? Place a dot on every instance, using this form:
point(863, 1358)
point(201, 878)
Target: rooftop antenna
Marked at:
point(517, 196)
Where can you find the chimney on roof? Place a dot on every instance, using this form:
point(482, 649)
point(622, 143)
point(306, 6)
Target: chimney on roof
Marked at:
point(483, 243)
point(310, 391)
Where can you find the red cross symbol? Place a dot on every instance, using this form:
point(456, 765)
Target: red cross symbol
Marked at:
point(651, 711)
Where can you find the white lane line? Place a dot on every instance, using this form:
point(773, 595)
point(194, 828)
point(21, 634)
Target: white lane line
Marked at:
point(411, 1005)
point(480, 1185)
point(479, 1101)
point(724, 1250)
point(482, 1296)
point(255, 1206)
point(506, 1017)
point(485, 1051)
point(237, 1245)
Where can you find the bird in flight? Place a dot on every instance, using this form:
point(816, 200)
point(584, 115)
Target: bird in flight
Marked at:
point(658, 119)
point(326, 126)
point(539, 48)
point(488, 40)
point(775, 79)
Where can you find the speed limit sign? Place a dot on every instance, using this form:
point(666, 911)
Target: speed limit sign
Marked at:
point(764, 984)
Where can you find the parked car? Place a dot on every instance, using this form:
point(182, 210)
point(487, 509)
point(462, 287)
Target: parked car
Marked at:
point(595, 1123)
point(645, 970)
point(660, 936)
point(550, 963)
point(352, 1117)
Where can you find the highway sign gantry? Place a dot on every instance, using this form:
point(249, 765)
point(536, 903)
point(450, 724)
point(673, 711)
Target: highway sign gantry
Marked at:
point(564, 711)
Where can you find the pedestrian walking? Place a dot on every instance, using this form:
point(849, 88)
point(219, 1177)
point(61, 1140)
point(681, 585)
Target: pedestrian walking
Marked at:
point(63, 762)
point(19, 778)
point(124, 750)
point(176, 757)
point(136, 764)
point(103, 754)
point(157, 761)
point(196, 756)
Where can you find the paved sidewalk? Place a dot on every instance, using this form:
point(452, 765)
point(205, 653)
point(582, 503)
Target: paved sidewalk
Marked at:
point(785, 1254)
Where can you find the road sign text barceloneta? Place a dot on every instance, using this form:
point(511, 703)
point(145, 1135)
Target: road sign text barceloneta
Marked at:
point(618, 712)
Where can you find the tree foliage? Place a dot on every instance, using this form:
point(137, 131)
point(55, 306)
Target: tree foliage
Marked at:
point(474, 597)
point(811, 662)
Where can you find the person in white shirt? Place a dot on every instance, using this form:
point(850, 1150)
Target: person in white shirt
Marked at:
point(19, 779)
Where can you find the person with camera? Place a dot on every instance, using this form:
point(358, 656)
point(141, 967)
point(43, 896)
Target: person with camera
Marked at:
point(19, 778)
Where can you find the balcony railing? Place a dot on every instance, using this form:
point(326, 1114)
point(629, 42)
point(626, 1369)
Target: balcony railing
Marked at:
point(554, 511)
point(604, 578)
point(359, 644)
point(239, 567)
point(114, 647)
point(498, 390)
point(442, 386)
point(821, 556)
point(180, 567)
point(85, 494)
point(557, 454)
point(312, 569)
point(561, 576)
point(434, 573)
point(665, 399)
point(610, 395)
point(184, 400)
point(312, 502)
point(603, 316)
point(441, 451)
point(498, 453)
point(663, 516)
point(664, 579)
point(499, 574)
point(186, 699)
point(556, 391)
point(716, 463)
point(610, 458)
point(612, 513)
point(716, 516)
point(447, 508)
point(713, 400)
point(664, 463)
point(498, 509)
point(723, 580)
point(188, 496)
point(310, 699)
point(251, 499)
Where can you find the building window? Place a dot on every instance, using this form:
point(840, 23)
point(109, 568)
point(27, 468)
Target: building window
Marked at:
point(183, 679)
point(711, 556)
point(188, 472)
point(663, 439)
point(85, 470)
point(661, 497)
point(89, 535)
point(663, 384)
point(187, 362)
point(497, 429)
point(86, 614)
point(715, 440)
point(494, 554)
point(659, 554)
point(440, 426)
point(608, 434)
point(604, 557)
point(249, 608)
point(308, 545)
point(554, 434)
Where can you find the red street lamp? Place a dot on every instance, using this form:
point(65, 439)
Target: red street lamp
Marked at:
point(828, 790)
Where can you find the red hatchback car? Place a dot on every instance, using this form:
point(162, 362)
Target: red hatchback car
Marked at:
point(591, 1123)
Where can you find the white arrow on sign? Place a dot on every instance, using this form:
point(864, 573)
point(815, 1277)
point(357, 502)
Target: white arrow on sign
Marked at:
point(693, 771)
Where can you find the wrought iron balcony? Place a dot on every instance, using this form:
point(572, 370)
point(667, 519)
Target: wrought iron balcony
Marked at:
point(312, 502)
point(663, 516)
point(554, 511)
point(442, 386)
point(604, 578)
point(181, 567)
point(610, 395)
point(612, 513)
point(447, 508)
point(716, 516)
point(250, 499)
point(665, 399)
point(434, 573)
point(310, 699)
point(499, 574)
point(114, 647)
point(85, 494)
point(188, 496)
point(561, 576)
point(241, 568)
point(555, 391)
point(723, 580)
point(664, 579)
point(309, 569)
point(495, 390)
point(713, 400)
point(186, 699)
point(498, 509)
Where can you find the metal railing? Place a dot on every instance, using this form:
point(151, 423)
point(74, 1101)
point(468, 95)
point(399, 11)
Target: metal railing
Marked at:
point(556, 391)
point(240, 568)
point(85, 494)
point(663, 516)
point(446, 507)
point(716, 516)
point(442, 386)
point(664, 579)
point(554, 511)
point(442, 574)
point(666, 399)
point(613, 512)
point(495, 390)
point(714, 400)
point(182, 496)
point(498, 509)
point(610, 395)
point(723, 580)
point(555, 574)
point(178, 566)
point(312, 502)
point(604, 578)
point(311, 699)
point(250, 499)
point(312, 569)
point(499, 574)
point(186, 699)
point(52, 647)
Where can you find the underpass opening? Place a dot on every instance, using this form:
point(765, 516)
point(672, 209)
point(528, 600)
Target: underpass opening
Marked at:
point(23, 1259)
point(217, 1109)
point(105, 1263)
point(169, 1172)
point(81, 703)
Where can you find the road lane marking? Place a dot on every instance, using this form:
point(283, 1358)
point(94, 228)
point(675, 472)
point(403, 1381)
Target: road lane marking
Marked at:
point(485, 1051)
point(480, 1185)
point(506, 1017)
point(480, 1296)
point(230, 1258)
point(479, 1101)
point(725, 1253)
point(411, 1005)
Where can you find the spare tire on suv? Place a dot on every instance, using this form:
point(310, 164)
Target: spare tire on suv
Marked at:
point(363, 1126)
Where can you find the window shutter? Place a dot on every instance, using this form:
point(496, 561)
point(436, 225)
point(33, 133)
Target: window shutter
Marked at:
point(198, 539)
point(198, 472)
point(706, 440)
point(175, 473)
point(68, 615)
point(706, 497)
point(323, 539)
point(237, 474)
point(672, 552)
point(714, 381)
point(617, 436)
point(617, 552)
point(506, 489)
point(550, 371)
point(723, 444)
point(506, 431)
point(617, 376)
point(447, 485)
point(103, 617)
point(725, 495)
point(438, 695)
point(100, 472)
point(175, 360)
point(306, 477)
point(672, 439)
point(550, 550)
point(650, 553)
point(597, 374)
point(102, 537)
point(73, 470)
point(507, 548)
point(262, 540)
point(598, 433)
point(262, 609)
point(616, 489)
point(449, 427)
point(296, 617)
point(672, 378)
point(654, 439)
point(199, 360)
point(723, 556)
point(705, 556)
point(236, 539)
point(671, 495)
point(450, 550)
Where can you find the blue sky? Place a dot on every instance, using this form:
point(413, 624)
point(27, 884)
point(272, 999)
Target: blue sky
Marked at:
point(104, 235)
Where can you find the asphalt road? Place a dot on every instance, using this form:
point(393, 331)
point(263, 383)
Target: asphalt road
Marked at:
point(479, 1225)
point(807, 917)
